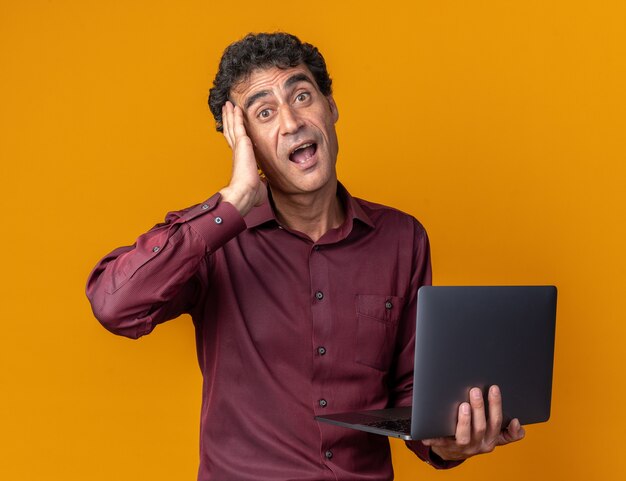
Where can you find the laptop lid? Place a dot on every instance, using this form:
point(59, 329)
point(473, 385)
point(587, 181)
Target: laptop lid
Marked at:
point(480, 336)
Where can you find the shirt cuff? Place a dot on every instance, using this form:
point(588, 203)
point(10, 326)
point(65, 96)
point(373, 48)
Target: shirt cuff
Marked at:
point(215, 221)
point(426, 455)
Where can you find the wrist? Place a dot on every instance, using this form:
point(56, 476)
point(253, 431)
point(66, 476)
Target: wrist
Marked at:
point(438, 456)
point(440, 461)
point(434, 457)
point(238, 199)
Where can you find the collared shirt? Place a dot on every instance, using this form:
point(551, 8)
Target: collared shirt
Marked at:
point(286, 329)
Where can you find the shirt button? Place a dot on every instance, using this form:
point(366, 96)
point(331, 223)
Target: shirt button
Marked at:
point(388, 305)
point(218, 220)
point(205, 206)
point(319, 295)
point(328, 454)
point(316, 248)
point(323, 403)
point(155, 249)
point(321, 350)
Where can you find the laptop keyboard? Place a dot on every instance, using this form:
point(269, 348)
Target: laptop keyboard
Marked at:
point(399, 425)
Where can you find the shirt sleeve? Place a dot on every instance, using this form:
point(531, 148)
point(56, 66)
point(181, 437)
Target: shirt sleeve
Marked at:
point(134, 288)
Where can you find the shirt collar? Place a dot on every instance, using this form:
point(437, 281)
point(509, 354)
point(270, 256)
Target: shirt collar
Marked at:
point(264, 213)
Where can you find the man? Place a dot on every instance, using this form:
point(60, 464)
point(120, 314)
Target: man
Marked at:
point(303, 297)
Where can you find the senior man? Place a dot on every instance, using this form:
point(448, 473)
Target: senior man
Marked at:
point(302, 296)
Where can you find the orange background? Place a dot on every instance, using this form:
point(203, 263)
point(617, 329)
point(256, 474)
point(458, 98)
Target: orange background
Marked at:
point(499, 124)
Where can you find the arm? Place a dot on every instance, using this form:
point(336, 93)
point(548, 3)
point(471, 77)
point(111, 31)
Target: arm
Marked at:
point(401, 383)
point(401, 377)
point(134, 288)
point(475, 434)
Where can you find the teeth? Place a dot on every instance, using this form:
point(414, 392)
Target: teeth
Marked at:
point(304, 146)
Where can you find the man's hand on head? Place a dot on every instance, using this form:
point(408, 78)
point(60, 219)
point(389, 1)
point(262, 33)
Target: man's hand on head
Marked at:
point(246, 189)
point(475, 434)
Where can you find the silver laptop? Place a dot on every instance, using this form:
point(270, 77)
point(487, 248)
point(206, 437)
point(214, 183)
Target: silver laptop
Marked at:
point(472, 336)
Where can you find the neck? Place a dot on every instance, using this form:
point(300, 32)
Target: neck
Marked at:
point(313, 214)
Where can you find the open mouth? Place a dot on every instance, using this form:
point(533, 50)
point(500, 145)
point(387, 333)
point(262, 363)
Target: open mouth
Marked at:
point(303, 153)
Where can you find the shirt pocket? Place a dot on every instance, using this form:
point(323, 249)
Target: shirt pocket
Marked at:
point(377, 325)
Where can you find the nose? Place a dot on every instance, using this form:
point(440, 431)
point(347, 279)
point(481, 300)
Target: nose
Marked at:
point(290, 121)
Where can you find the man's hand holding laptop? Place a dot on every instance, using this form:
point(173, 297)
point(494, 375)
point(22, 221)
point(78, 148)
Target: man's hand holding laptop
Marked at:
point(475, 433)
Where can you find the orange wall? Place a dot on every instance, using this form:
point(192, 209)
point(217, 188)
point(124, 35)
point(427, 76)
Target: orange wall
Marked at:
point(500, 124)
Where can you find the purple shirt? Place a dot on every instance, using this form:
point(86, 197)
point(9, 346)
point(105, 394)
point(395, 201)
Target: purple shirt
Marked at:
point(286, 329)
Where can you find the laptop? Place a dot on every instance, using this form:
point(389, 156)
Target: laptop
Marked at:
point(472, 336)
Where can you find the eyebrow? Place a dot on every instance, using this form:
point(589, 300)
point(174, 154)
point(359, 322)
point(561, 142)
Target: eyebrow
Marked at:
point(254, 98)
point(299, 77)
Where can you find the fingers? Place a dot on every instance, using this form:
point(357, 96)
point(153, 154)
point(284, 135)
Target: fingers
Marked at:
point(513, 432)
point(238, 128)
point(495, 415)
point(479, 418)
point(475, 434)
point(463, 434)
point(516, 429)
point(435, 442)
point(227, 123)
point(232, 124)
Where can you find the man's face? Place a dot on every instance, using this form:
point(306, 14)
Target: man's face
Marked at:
point(292, 126)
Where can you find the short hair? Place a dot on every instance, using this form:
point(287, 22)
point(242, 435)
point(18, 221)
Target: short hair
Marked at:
point(263, 50)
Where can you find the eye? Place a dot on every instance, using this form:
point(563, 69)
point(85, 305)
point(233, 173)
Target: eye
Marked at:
point(301, 97)
point(264, 114)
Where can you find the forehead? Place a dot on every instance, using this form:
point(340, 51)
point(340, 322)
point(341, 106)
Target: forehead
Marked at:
point(271, 79)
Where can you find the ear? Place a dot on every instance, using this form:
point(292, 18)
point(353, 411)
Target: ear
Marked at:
point(333, 108)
